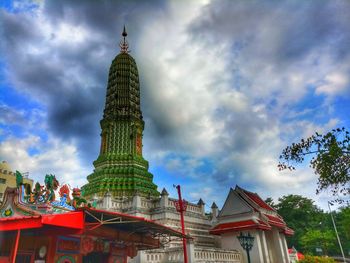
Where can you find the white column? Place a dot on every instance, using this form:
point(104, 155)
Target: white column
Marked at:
point(284, 246)
point(279, 246)
point(260, 246)
point(107, 201)
point(136, 201)
point(190, 251)
point(265, 248)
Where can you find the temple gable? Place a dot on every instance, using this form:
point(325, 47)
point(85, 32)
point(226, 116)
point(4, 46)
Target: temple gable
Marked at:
point(234, 205)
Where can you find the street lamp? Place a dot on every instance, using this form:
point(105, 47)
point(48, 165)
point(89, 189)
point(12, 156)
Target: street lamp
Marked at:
point(336, 231)
point(247, 242)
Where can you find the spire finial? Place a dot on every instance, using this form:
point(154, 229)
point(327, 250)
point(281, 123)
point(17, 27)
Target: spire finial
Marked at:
point(124, 44)
point(124, 34)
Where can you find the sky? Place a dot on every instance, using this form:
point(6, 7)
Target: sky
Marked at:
point(225, 86)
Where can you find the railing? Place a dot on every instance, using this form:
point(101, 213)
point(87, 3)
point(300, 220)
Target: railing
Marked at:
point(201, 255)
point(219, 256)
point(190, 207)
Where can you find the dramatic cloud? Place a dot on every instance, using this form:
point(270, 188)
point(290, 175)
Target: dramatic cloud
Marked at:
point(225, 85)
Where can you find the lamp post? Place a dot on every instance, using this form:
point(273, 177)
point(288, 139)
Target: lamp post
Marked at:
point(247, 242)
point(336, 232)
point(181, 206)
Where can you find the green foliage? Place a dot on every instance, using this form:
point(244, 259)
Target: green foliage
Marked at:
point(300, 214)
point(344, 218)
point(313, 259)
point(330, 160)
point(313, 227)
point(316, 238)
point(270, 202)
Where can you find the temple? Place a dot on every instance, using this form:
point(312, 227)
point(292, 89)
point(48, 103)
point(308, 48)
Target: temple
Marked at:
point(246, 211)
point(120, 167)
point(120, 216)
point(121, 183)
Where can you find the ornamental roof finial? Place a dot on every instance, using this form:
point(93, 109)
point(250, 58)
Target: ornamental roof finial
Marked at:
point(124, 44)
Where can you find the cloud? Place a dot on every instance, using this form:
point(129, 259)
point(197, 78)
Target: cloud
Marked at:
point(63, 63)
point(52, 157)
point(224, 81)
point(9, 115)
point(333, 83)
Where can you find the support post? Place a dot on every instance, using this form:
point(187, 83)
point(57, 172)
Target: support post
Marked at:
point(181, 207)
point(336, 232)
point(15, 248)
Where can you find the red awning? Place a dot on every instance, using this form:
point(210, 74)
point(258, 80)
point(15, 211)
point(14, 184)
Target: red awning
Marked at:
point(239, 226)
point(20, 222)
point(69, 220)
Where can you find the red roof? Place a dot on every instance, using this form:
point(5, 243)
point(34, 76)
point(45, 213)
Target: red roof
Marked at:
point(288, 231)
point(256, 199)
point(239, 226)
point(70, 219)
point(276, 221)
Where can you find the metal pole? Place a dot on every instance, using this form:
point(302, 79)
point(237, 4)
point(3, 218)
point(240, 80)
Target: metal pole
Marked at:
point(15, 249)
point(182, 223)
point(247, 250)
point(336, 232)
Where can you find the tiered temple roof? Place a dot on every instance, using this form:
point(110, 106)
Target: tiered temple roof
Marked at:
point(245, 210)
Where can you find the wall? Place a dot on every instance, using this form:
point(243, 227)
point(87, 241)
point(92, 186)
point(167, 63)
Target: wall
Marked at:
point(8, 179)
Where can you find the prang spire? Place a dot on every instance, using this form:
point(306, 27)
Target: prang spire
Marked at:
point(120, 168)
point(124, 45)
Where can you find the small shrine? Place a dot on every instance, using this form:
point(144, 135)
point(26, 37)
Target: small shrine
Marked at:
point(244, 214)
point(54, 223)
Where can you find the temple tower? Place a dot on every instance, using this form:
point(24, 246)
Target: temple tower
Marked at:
point(120, 167)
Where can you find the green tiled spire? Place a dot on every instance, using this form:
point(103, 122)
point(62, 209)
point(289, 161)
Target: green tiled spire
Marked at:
point(120, 167)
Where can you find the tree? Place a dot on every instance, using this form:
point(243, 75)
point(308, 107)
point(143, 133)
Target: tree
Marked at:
point(343, 222)
point(330, 160)
point(313, 239)
point(300, 214)
point(344, 216)
point(270, 202)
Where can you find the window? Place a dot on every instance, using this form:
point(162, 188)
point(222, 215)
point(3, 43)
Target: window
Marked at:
point(2, 181)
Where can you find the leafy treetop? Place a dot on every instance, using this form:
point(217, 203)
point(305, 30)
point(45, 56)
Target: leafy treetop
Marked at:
point(330, 160)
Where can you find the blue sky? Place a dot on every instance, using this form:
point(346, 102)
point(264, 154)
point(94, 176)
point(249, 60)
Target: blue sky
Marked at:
point(225, 86)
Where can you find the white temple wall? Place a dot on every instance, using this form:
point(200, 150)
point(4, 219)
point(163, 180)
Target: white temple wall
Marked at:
point(270, 246)
point(230, 241)
point(279, 247)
